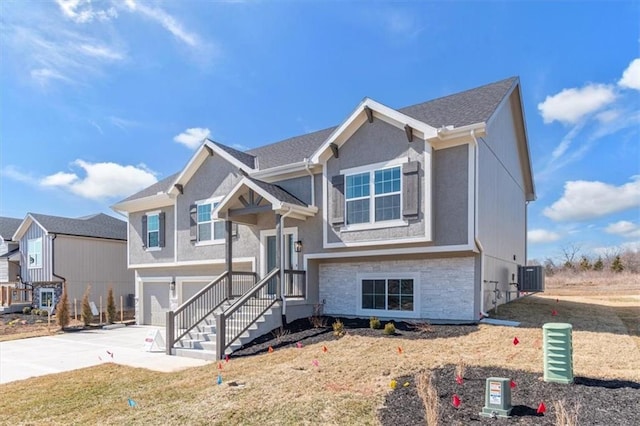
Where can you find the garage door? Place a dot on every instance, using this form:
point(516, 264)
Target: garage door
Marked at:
point(156, 303)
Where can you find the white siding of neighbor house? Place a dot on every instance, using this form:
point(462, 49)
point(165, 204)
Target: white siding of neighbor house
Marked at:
point(446, 286)
point(501, 204)
point(100, 263)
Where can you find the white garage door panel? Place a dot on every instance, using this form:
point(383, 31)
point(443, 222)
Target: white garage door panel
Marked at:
point(156, 303)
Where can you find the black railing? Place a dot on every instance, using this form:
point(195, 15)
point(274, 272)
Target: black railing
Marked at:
point(188, 315)
point(294, 283)
point(254, 304)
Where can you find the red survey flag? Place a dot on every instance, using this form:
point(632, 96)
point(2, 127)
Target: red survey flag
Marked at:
point(455, 400)
point(270, 349)
point(226, 358)
point(324, 349)
point(399, 350)
point(541, 408)
point(554, 312)
point(512, 384)
point(219, 366)
point(515, 341)
point(459, 380)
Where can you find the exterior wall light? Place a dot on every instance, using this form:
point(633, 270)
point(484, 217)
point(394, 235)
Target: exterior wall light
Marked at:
point(297, 246)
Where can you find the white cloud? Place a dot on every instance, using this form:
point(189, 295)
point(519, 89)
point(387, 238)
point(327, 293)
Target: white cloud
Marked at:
point(167, 21)
point(192, 138)
point(59, 179)
point(51, 53)
point(542, 236)
point(82, 11)
point(12, 172)
point(631, 76)
point(589, 199)
point(608, 116)
point(624, 228)
point(571, 105)
point(101, 180)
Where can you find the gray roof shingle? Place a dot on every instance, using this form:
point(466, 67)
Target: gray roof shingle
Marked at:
point(278, 192)
point(468, 107)
point(160, 186)
point(243, 157)
point(8, 227)
point(97, 226)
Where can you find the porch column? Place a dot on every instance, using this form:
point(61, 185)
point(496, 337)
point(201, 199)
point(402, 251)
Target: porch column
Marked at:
point(228, 255)
point(279, 256)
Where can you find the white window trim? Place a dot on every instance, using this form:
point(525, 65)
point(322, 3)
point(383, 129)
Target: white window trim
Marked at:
point(153, 213)
point(53, 298)
point(371, 169)
point(211, 242)
point(29, 245)
point(384, 312)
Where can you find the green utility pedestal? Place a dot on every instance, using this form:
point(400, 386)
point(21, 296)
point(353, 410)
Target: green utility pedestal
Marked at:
point(497, 398)
point(558, 352)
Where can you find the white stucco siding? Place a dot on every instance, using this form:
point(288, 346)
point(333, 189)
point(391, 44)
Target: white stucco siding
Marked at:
point(444, 288)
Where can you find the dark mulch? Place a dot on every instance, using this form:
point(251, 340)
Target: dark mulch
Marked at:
point(601, 402)
point(301, 331)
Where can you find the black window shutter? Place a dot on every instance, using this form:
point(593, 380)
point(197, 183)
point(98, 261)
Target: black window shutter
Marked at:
point(411, 184)
point(161, 222)
point(337, 200)
point(144, 231)
point(193, 222)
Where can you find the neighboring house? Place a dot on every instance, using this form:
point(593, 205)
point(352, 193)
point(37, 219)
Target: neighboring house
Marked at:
point(9, 250)
point(416, 213)
point(79, 252)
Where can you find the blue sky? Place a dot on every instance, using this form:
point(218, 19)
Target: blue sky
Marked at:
point(99, 99)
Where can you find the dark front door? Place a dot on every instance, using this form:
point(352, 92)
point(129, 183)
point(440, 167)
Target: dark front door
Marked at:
point(271, 263)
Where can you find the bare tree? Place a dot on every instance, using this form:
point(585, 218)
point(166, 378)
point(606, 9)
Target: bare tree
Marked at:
point(569, 254)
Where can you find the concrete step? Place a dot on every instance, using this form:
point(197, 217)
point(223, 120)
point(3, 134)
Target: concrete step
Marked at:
point(195, 353)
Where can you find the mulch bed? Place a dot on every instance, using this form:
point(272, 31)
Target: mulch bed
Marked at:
point(599, 402)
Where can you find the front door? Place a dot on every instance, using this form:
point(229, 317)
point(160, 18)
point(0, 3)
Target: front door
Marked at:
point(269, 255)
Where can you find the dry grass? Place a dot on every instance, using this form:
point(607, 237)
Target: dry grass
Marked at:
point(429, 396)
point(461, 367)
point(347, 387)
point(564, 415)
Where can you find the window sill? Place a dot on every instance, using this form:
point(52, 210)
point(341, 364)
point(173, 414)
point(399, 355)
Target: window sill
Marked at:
point(209, 243)
point(34, 267)
point(376, 225)
point(153, 249)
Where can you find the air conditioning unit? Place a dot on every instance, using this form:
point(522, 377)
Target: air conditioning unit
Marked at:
point(531, 278)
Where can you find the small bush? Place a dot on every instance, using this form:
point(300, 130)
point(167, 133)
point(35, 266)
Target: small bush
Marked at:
point(338, 328)
point(317, 320)
point(43, 312)
point(111, 307)
point(374, 323)
point(87, 315)
point(26, 310)
point(35, 311)
point(429, 396)
point(566, 416)
point(62, 310)
point(389, 329)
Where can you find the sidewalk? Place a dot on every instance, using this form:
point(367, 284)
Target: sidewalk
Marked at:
point(24, 358)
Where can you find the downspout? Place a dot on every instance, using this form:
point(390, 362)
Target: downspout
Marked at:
point(282, 244)
point(53, 263)
point(313, 186)
point(475, 221)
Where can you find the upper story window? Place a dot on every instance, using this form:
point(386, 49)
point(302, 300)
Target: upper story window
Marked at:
point(153, 231)
point(373, 196)
point(34, 251)
point(208, 229)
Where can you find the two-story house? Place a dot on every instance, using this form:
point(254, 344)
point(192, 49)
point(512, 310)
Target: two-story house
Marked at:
point(76, 253)
point(9, 250)
point(414, 213)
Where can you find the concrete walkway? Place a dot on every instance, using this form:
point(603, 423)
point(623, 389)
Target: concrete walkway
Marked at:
point(24, 358)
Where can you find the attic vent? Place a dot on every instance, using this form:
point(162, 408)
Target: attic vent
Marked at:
point(530, 278)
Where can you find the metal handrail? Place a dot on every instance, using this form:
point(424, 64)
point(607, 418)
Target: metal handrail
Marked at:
point(255, 306)
point(187, 316)
point(294, 283)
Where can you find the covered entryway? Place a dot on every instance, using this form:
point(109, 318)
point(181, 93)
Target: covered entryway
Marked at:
point(155, 303)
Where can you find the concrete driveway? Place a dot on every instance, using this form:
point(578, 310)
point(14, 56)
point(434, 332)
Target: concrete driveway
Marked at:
point(24, 358)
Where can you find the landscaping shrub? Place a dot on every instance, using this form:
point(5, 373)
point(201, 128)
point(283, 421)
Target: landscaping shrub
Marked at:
point(87, 315)
point(429, 396)
point(374, 323)
point(111, 307)
point(35, 311)
point(338, 328)
point(62, 309)
point(43, 312)
point(389, 328)
point(26, 310)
